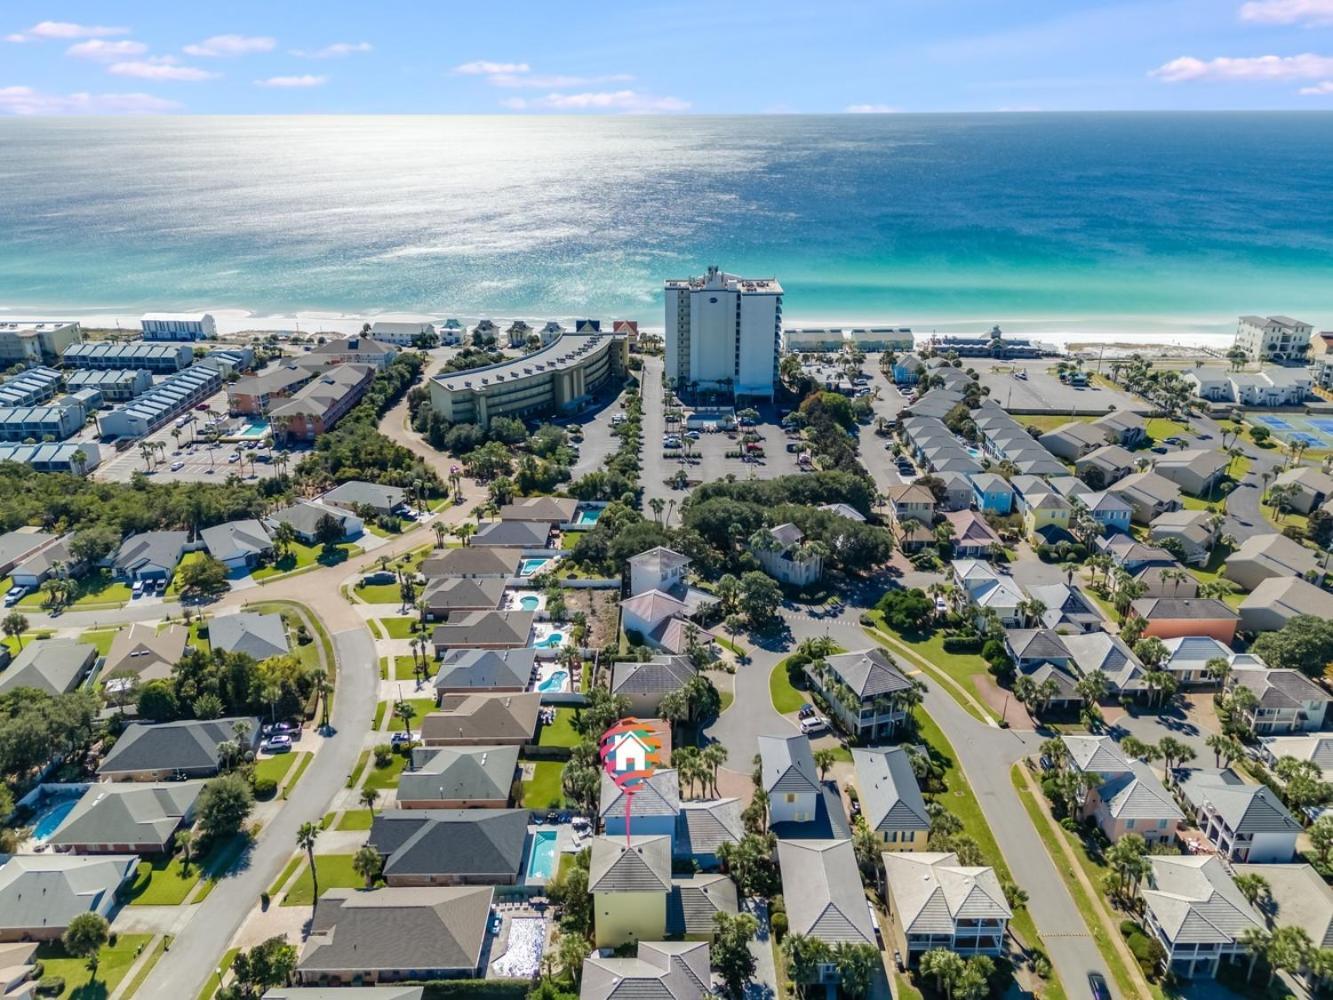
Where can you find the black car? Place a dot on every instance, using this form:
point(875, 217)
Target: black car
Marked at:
point(1097, 986)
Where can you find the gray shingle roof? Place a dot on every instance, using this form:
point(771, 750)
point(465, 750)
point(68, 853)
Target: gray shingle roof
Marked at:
point(659, 795)
point(398, 929)
point(485, 628)
point(1246, 809)
point(1280, 688)
point(638, 864)
point(480, 669)
point(127, 813)
point(869, 673)
point(658, 676)
point(788, 765)
point(51, 665)
point(553, 510)
point(482, 717)
point(821, 885)
point(459, 774)
point(695, 901)
point(261, 636)
point(444, 594)
point(44, 892)
point(890, 796)
point(474, 843)
point(1195, 901)
point(469, 561)
point(185, 746)
point(514, 534)
point(663, 970)
point(144, 652)
point(150, 549)
point(1158, 608)
point(1137, 794)
point(355, 493)
point(237, 538)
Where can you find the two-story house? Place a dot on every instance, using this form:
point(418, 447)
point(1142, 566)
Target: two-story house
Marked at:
point(891, 799)
point(1286, 701)
point(993, 493)
point(935, 902)
point(790, 778)
point(1128, 797)
point(1244, 822)
point(1192, 906)
point(785, 558)
point(863, 691)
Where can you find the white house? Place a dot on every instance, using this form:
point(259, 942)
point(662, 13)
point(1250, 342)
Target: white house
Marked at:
point(659, 568)
point(790, 778)
point(178, 326)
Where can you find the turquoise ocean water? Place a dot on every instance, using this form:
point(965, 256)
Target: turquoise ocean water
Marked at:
point(1112, 221)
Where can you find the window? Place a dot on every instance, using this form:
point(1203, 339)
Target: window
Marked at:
point(789, 797)
point(1129, 824)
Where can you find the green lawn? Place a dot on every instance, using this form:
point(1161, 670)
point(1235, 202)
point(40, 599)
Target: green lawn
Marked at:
point(726, 697)
point(277, 766)
point(115, 962)
point(335, 872)
point(301, 766)
point(560, 733)
point(384, 778)
point(962, 667)
point(161, 883)
point(288, 870)
point(361, 762)
point(960, 800)
point(1049, 422)
point(91, 590)
point(144, 970)
point(398, 628)
point(356, 819)
point(100, 639)
point(215, 980)
point(402, 668)
point(543, 791)
point(1159, 429)
point(303, 556)
point(424, 706)
point(1086, 906)
point(905, 989)
point(380, 593)
point(785, 698)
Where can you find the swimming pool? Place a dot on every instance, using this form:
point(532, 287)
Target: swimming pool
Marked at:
point(52, 815)
point(528, 567)
point(551, 641)
point(541, 862)
point(529, 603)
point(555, 682)
point(589, 516)
point(253, 430)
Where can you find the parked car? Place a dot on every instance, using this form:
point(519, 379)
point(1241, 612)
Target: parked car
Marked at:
point(177, 466)
point(815, 724)
point(399, 740)
point(278, 743)
point(14, 594)
point(806, 712)
point(137, 589)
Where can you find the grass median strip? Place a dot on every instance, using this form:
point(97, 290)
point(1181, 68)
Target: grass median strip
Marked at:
point(1127, 983)
point(922, 658)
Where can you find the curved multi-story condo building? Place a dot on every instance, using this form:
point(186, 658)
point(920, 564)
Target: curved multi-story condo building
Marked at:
point(558, 378)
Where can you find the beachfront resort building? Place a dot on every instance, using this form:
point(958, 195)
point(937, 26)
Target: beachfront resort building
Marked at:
point(178, 326)
point(36, 341)
point(724, 333)
point(1275, 338)
point(101, 355)
point(558, 378)
point(164, 402)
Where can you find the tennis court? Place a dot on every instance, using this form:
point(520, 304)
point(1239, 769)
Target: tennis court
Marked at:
point(1316, 432)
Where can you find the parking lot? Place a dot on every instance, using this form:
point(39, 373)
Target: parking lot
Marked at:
point(1043, 392)
point(199, 461)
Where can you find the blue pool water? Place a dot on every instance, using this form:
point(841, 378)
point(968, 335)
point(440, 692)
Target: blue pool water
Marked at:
point(551, 641)
point(556, 682)
point(541, 863)
point(530, 566)
point(530, 603)
point(589, 516)
point(254, 430)
point(51, 816)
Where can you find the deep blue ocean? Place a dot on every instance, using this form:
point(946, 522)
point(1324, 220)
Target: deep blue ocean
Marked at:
point(1133, 221)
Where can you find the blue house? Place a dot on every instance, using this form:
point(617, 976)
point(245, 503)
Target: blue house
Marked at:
point(993, 493)
point(908, 369)
point(653, 809)
point(1109, 510)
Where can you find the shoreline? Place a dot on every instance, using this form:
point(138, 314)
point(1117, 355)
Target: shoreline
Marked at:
point(1118, 334)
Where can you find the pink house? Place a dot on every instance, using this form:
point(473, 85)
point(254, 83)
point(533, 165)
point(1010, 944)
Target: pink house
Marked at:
point(1176, 617)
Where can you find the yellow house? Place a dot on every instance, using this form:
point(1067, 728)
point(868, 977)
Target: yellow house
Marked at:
point(1046, 510)
point(890, 798)
point(630, 881)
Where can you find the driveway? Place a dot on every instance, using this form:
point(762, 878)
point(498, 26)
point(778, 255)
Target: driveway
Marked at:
point(181, 972)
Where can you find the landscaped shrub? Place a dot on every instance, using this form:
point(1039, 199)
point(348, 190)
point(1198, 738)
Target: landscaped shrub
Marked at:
point(265, 788)
point(962, 644)
point(778, 923)
point(383, 755)
point(51, 986)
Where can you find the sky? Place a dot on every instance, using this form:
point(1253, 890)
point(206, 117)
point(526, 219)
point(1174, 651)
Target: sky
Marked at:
point(632, 57)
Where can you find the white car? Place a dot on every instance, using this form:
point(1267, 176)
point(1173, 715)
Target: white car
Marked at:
point(14, 595)
point(177, 466)
point(235, 456)
point(814, 724)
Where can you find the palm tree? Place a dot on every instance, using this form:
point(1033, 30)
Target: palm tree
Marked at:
point(440, 531)
point(1173, 753)
point(305, 841)
point(1255, 889)
point(184, 842)
point(369, 796)
point(657, 505)
point(714, 756)
point(367, 863)
point(406, 711)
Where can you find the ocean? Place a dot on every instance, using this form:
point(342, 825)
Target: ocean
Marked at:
point(1164, 225)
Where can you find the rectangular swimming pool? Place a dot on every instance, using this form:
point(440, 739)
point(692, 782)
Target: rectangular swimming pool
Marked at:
point(542, 860)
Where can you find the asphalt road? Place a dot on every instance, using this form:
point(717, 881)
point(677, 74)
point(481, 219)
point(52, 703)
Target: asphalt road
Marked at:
point(182, 971)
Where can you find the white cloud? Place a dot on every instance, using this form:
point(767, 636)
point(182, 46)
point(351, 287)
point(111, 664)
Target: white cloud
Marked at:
point(481, 67)
point(1307, 12)
point(1320, 89)
point(869, 109)
point(231, 45)
point(27, 101)
point(293, 82)
point(606, 100)
point(554, 81)
point(334, 51)
point(1306, 66)
point(65, 30)
point(99, 48)
point(160, 68)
